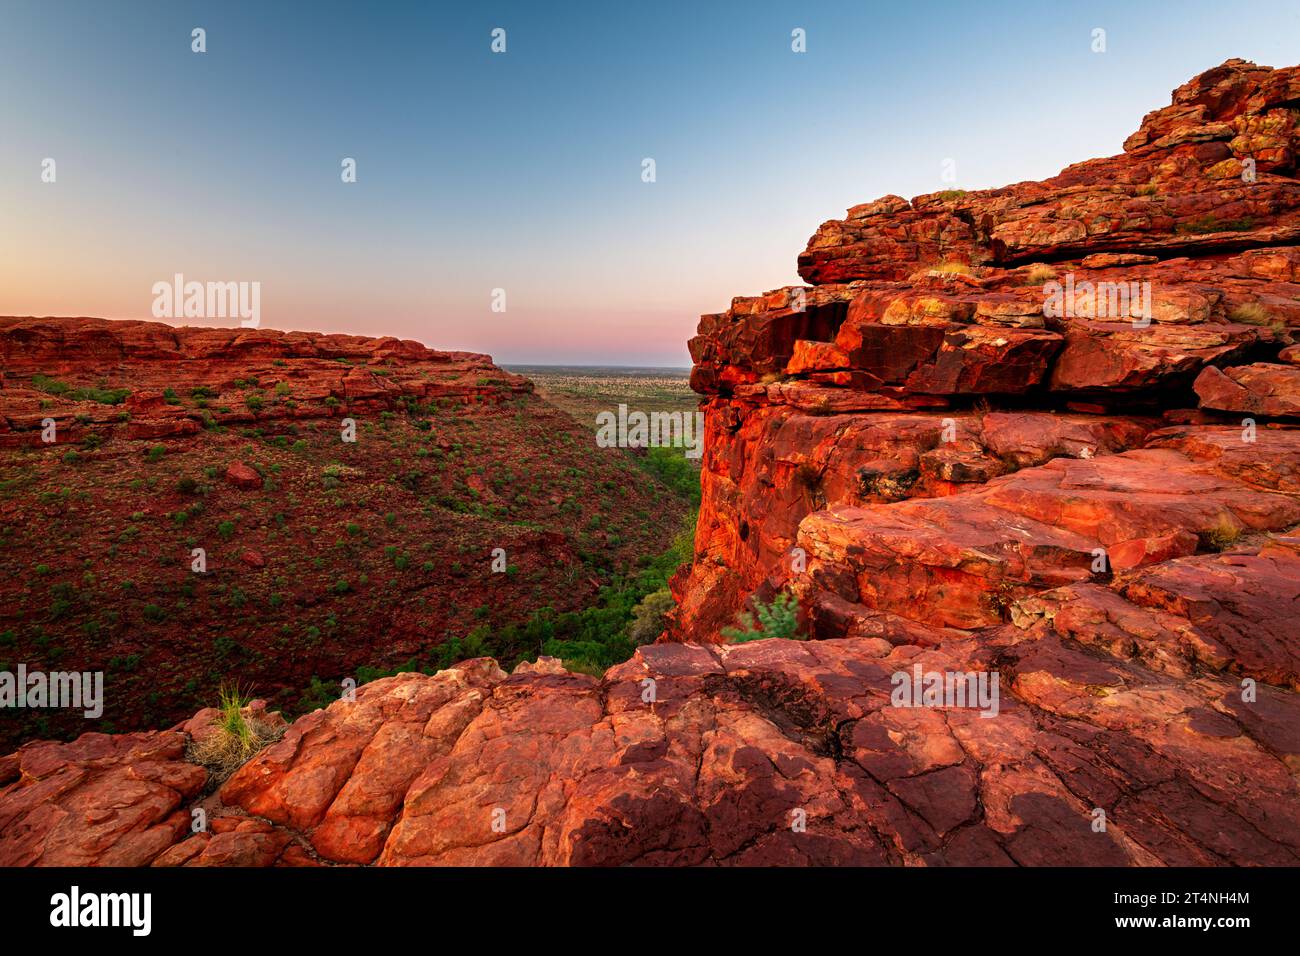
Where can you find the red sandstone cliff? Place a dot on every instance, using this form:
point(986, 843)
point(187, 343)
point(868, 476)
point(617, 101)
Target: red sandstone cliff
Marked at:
point(826, 406)
point(952, 463)
point(150, 357)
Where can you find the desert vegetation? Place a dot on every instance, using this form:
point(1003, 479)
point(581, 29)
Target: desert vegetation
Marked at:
point(778, 618)
point(335, 559)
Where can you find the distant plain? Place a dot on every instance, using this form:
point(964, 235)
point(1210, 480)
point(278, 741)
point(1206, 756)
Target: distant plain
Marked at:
point(585, 391)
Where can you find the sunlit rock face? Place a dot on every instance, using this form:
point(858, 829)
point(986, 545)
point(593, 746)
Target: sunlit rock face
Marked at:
point(1070, 361)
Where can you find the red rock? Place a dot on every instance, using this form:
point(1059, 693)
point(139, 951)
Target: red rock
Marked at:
point(815, 356)
point(922, 333)
point(1177, 186)
point(173, 427)
point(577, 771)
point(302, 780)
point(1258, 389)
point(253, 559)
point(241, 476)
point(101, 800)
point(976, 361)
point(181, 853)
point(1107, 355)
point(1269, 458)
point(241, 848)
point(1140, 551)
point(544, 767)
point(1032, 439)
point(296, 855)
point(1107, 260)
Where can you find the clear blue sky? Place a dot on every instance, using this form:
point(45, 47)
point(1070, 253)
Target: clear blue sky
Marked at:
point(522, 171)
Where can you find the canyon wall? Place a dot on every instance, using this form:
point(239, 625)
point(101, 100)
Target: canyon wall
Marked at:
point(981, 389)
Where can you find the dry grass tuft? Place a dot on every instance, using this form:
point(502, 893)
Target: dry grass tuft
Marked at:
point(1252, 313)
point(236, 737)
point(948, 267)
point(1223, 534)
point(1039, 273)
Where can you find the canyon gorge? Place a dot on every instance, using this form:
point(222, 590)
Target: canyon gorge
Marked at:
point(1100, 505)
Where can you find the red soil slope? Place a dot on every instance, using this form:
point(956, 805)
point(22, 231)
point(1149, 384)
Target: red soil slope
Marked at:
point(321, 554)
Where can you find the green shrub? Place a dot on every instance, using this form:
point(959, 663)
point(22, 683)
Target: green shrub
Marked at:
point(648, 617)
point(778, 619)
point(104, 396)
point(671, 467)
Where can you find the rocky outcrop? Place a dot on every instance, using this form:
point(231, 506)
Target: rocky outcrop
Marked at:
point(910, 419)
point(1177, 189)
point(1259, 389)
point(236, 371)
point(1030, 460)
point(1119, 702)
point(103, 800)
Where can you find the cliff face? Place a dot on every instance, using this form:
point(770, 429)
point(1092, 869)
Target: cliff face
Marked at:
point(981, 389)
point(1068, 501)
point(321, 372)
